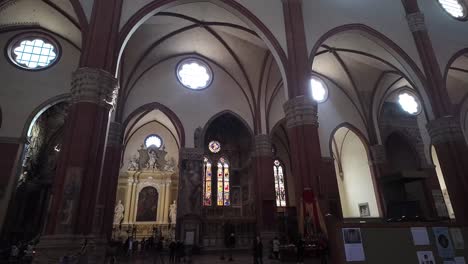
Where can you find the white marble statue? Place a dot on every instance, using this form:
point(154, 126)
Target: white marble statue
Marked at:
point(173, 212)
point(152, 160)
point(119, 212)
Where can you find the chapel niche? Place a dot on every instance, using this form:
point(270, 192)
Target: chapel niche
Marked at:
point(238, 214)
point(28, 207)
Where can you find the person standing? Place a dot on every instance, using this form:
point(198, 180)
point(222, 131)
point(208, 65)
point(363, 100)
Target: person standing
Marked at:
point(276, 247)
point(172, 251)
point(232, 245)
point(300, 245)
point(258, 251)
point(130, 246)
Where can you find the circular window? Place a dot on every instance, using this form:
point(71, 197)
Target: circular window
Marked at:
point(456, 8)
point(409, 103)
point(153, 141)
point(33, 51)
point(194, 74)
point(214, 146)
point(318, 89)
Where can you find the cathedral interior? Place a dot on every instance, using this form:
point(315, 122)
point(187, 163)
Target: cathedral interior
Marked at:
point(191, 120)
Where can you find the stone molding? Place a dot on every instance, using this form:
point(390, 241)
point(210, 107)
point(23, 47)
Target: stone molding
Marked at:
point(94, 86)
point(301, 111)
point(378, 154)
point(416, 22)
point(114, 136)
point(263, 146)
point(445, 129)
point(191, 154)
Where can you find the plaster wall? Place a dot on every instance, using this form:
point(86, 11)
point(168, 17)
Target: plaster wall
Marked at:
point(21, 91)
point(194, 108)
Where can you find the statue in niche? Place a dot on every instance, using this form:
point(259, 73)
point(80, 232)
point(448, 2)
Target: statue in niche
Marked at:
point(119, 212)
point(170, 165)
point(143, 158)
point(173, 213)
point(152, 160)
point(133, 163)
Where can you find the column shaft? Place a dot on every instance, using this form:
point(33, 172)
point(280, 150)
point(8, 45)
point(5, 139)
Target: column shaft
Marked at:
point(167, 203)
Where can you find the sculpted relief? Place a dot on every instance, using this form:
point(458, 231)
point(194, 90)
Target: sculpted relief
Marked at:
point(151, 159)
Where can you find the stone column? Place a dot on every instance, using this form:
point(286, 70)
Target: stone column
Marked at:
point(434, 85)
point(128, 200)
point(110, 177)
point(10, 159)
point(452, 151)
point(133, 202)
point(161, 203)
point(379, 168)
point(78, 173)
point(168, 202)
point(265, 185)
point(302, 128)
point(189, 201)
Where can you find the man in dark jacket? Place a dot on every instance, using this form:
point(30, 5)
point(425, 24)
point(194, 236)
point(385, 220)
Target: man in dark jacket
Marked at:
point(258, 251)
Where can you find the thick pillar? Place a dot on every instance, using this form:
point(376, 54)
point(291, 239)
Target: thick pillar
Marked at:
point(445, 131)
point(434, 84)
point(189, 203)
point(10, 155)
point(110, 177)
point(78, 173)
point(265, 185)
point(452, 151)
point(301, 119)
point(302, 128)
point(379, 168)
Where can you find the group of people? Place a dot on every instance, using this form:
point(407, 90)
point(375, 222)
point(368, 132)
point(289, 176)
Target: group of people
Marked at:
point(156, 247)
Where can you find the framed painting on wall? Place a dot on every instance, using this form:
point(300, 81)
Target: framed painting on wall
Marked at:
point(364, 210)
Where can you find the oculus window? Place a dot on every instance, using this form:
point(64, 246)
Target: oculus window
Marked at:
point(409, 103)
point(33, 51)
point(194, 74)
point(319, 90)
point(455, 8)
point(214, 146)
point(153, 140)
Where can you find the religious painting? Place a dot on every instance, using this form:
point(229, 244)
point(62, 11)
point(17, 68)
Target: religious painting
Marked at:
point(364, 210)
point(147, 205)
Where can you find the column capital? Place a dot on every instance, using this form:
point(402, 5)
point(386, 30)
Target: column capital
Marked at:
point(191, 154)
point(301, 110)
point(262, 146)
point(378, 154)
point(94, 86)
point(416, 22)
point(114, 136)
point(445, 129)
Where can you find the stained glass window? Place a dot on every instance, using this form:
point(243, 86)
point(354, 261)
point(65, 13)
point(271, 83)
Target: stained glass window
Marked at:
point(33, 53)
point(455, 8)
point(318, 89)
point(280, 189)
point(223, 183)
point(194, 74)
point(153, 140)
point(409, 103)
point(207, 182)
point(214, 146)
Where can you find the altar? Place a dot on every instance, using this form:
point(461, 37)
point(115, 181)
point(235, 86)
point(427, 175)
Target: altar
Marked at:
point(146, 200)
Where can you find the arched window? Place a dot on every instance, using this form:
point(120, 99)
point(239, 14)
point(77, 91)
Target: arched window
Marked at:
point(280, 189)
point(207, 182)
point(223, 183)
